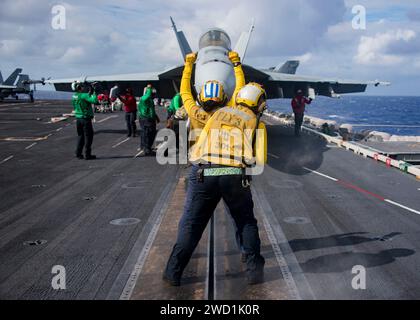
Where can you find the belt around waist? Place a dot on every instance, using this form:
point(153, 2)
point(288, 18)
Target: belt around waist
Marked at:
point(226, 171)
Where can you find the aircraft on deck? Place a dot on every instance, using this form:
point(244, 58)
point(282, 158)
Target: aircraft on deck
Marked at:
point(213, 64)
point(11, 87)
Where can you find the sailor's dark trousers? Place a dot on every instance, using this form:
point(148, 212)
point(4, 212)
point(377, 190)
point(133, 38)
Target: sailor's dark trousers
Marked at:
point(84, 136)
point(147, 133)
point(130, 119)
point(202, 199)
point(298, 123)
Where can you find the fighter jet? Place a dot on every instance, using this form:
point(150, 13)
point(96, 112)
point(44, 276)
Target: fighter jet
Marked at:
point(12, 88)
point(213, 64)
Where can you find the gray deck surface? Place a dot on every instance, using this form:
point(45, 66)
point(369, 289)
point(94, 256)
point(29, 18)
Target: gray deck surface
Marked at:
point(393, 147)
point(47, 194)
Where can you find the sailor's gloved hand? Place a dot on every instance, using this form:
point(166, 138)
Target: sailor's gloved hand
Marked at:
point(191, 57)
point(96, 86)
point(234, 57)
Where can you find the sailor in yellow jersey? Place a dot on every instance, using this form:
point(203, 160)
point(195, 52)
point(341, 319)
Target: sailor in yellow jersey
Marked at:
point(220, 174)
point(229, 136)
point(211, 97)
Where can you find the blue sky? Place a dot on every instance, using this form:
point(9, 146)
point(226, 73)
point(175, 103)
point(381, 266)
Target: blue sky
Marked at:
point(108, 37)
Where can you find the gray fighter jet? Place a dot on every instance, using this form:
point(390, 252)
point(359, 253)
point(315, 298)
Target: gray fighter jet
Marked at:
point(213, 64)
point(11, 87)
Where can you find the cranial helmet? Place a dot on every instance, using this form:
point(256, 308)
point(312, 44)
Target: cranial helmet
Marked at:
point(212, 95)
point(251, 95)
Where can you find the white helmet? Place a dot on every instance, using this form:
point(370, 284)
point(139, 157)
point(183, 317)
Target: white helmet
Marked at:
point(250, 95)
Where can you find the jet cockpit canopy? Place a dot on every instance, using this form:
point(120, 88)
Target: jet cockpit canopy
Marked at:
point(215, 37)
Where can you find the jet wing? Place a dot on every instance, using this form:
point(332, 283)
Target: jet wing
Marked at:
point(2, 86)
point(282, 85)
point(167, 82)
point(277, 85)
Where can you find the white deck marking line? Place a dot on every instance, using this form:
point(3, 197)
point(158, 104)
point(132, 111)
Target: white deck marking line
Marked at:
point(287, 274)
point(7, 159)
point(135, 274)
point(120, 143)
point(59, 129)
point(8, 105)
point(141, 151)
point(321, 174)
point(28, 147)
point(386, 200)
point(273, 155)
point(48, 135)
point(268, 122)
point(401, 206)
point(286, 260)
point(154, 221)
point(105, 119)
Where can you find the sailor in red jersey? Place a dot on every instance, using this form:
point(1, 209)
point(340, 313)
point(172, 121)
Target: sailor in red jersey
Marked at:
point(298, 104)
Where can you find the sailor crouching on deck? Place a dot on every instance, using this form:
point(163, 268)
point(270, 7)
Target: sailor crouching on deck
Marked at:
point(82, 103)
point(221, 174)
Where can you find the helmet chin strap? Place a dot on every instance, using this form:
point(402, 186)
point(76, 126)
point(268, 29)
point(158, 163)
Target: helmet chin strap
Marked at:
point(262, 107)
point(211, 107)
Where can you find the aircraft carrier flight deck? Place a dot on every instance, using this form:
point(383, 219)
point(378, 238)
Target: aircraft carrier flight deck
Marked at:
point(321, 211)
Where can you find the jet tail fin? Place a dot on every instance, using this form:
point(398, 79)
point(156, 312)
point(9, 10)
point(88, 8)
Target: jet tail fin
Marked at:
point(289, 67)
point(1, 78)
point(182, 41)
point(10, 81)
point(242, 45)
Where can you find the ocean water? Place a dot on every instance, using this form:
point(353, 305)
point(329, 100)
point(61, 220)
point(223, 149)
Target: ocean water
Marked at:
point(395, 115)
point(52, 95)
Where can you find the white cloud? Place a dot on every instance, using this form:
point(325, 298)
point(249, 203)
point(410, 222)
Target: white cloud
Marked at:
point(73, 54)
point(374, 50)
point(304, 58)
point(10, 48)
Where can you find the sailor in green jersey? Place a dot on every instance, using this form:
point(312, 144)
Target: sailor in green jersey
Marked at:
point(147, 119)
point(171, 121)
point(82, 104)
point(176, 103)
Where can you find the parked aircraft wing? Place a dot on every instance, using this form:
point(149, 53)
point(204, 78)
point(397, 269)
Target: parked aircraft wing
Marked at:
point(22, 82)
point(281, 85)
point(167, 82)
point(2, 86)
